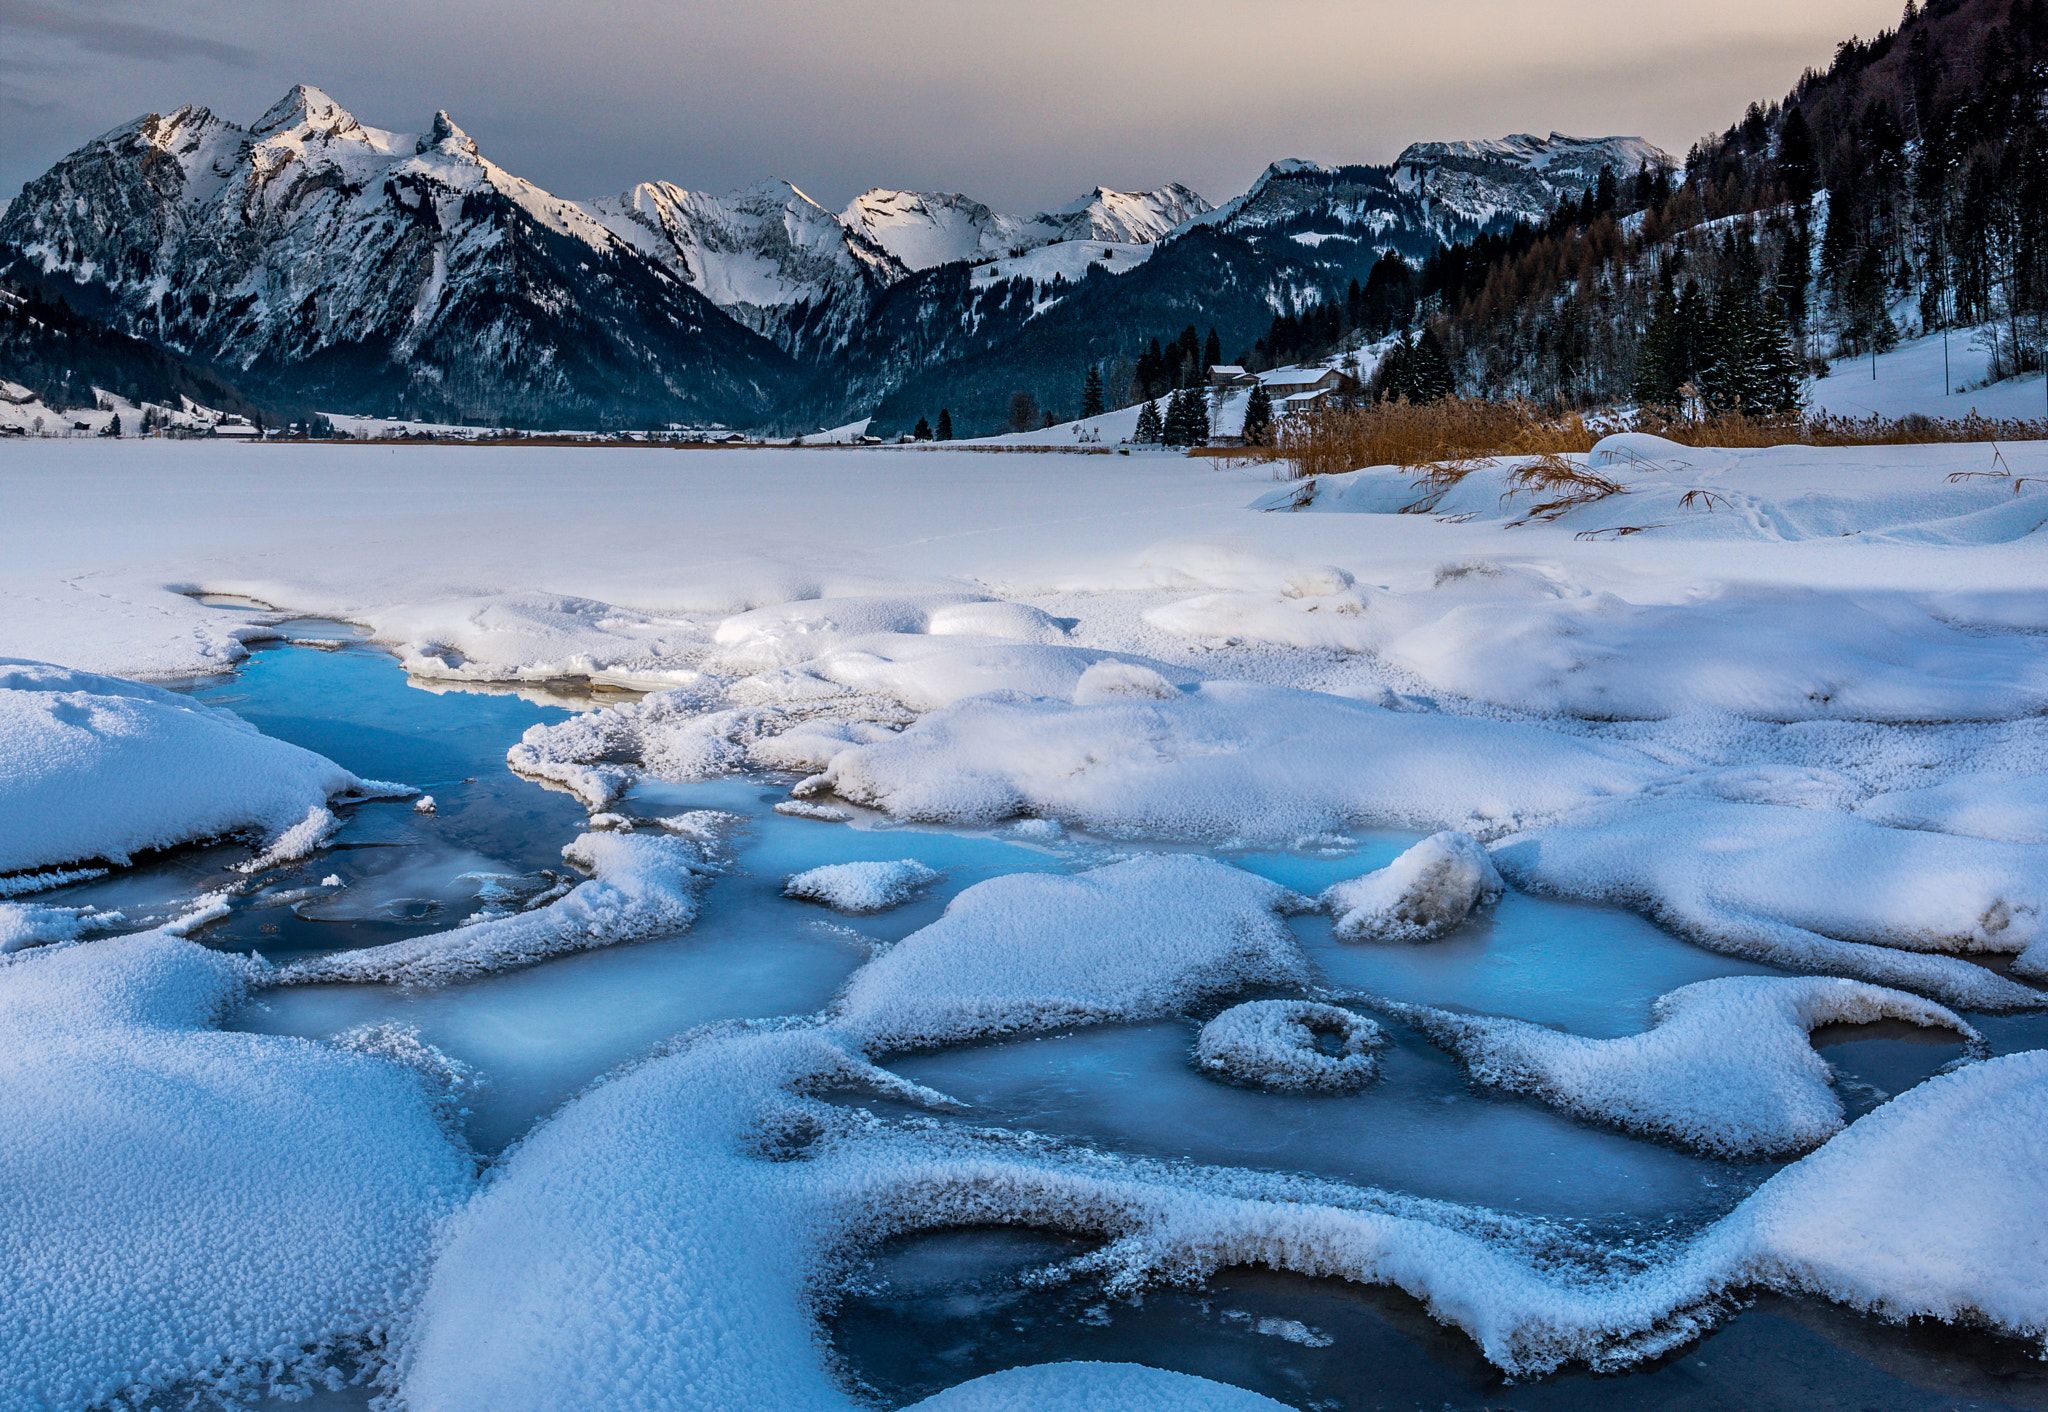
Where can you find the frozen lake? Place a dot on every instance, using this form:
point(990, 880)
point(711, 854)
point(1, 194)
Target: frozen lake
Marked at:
point(922, 1313)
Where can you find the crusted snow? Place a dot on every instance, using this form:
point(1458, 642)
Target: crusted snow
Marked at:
point(1726, 1065)
point(641, 886)
point(185, 1204)
point(92, 767)
point(862, 887)
point(1035, 951)
point(1272, 1043)
point(1419, 896)
point(1094, 1387)
point(1810, 889)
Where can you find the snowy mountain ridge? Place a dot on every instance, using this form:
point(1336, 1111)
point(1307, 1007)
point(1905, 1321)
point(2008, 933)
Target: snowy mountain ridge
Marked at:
point(387, 270)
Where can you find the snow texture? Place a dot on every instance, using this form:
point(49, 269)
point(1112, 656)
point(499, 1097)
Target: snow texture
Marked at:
point(1228, 760)
point(190, 1206)
point(1035, 951)
point(96, 768)
point(862, 887)
point(1726, 1066)
point(1810, 890)
point(641, 886)
point(1422, 894)
point(1272, 1044)
point(1094, 1387)
point(703, 1180)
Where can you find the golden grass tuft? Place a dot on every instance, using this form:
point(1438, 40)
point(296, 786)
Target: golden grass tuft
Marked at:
point(1446, 440)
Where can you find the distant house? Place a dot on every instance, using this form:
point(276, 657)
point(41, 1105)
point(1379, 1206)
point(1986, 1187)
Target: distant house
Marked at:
point(1284, 383)
point(236, 427)
point(1229, 375)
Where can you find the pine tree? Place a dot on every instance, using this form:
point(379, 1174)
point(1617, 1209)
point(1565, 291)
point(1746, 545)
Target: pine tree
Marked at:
point(1212, 351)
point(1797, 167)
point(1149, 429)
point(1091, 392)
point(112, 428)
point(1258, 416)
point(1431, 379)
point(1391, 380)
point(1659, 356)
point(922, 431)
point(945, 425)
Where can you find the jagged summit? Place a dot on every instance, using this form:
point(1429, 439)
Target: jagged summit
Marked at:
point(444, 136)
point(304, 107)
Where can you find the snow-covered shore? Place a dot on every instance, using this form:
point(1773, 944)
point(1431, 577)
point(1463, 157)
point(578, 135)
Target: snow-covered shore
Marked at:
point(1807, 726)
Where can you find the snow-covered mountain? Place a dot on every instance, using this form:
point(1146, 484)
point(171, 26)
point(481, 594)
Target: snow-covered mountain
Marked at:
point(1434, 192)
point(387, 271)
point(1522, 177)
point(768, 255)
point(924, 229)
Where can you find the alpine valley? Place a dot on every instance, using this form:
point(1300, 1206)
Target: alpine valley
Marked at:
point(312, 263)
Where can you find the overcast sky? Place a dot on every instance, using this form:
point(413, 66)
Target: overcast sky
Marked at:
point(1023, 106)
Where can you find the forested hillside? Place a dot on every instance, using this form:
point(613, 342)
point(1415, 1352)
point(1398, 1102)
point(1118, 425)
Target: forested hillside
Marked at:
point(1903, 190)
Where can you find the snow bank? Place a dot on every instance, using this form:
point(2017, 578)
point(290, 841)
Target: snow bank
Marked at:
point(1036, 951)
point(701, 1201)
point(1094, 1387)
point(1874, 1219)
point(1809, 890)
point(1726, 1066)
point(2002, 806)
point(1538, 639)
point(1272, 1043)
point(1228, 760)
point(641, 886)
point(789, 633)
point(1422, 894)
point(862, 887)
point(24, 924)
point(95, 767)
point(186, 1205)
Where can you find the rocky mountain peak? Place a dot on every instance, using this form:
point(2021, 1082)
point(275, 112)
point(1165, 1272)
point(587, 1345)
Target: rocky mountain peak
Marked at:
point(445, 136)
point(305, 108)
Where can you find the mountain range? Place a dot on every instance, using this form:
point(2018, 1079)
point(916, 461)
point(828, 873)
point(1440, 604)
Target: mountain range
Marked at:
point(319, 263)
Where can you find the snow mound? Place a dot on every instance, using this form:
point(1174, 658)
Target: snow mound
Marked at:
point(96, 767)
point(1809, 890)
point(2002, 806)
point(1037, 951)
point(789, 633)
point(1228, 760)
point(1872, 1220)
point(641, 886)
point(1094, 1387)
point(190, 1205)
point(1420, 895)
point(25, 924)
point(1726, 1067)
point(1272, 1043)
point(862, 887)
point(1110, 681)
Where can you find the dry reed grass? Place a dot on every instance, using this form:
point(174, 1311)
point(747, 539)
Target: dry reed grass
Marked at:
point(1447, 439)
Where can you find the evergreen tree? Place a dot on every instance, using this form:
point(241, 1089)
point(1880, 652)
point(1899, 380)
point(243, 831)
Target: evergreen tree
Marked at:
point(112, 428)
point(1430, 376)
point(1797, 167)
point(1258, 416)
point(1187, 419)
point(1212, 351)
point(1149, 429)
point(922, 431)
point(945, 425)
point(1391, 380)
point(1660, 358)
point(1091, 392)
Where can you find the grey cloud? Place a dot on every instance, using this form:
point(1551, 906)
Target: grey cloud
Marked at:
point(125, 38)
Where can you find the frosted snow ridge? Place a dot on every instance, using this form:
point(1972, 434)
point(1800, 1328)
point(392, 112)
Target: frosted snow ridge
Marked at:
point(1273, 1044)
point(93, 767)
point(653, 1193)
point(641, 886)
point(862, 887)
point(1726, 1066)
point(1420, 895)
point(239, 1209)
point(1036, 951)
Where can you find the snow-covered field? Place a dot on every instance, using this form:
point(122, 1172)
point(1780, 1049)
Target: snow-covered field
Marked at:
point(1791, 706)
